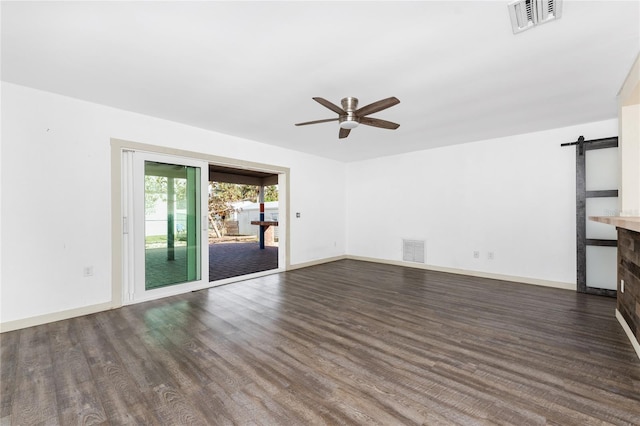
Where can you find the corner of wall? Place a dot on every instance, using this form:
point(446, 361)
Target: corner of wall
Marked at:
point(629, 333)
point(629, 132)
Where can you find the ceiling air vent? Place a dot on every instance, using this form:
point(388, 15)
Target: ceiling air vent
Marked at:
point(528, 13)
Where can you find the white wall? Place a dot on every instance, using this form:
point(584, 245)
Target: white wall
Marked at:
point(512, 196)
point(629, 128)
point(56, 194)
point(630, 160)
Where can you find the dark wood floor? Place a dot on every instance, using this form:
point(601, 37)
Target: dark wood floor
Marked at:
point(343, 343)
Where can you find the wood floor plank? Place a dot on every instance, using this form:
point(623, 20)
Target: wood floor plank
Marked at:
point(34, 396)
point(170, 398)
point(9, 344)
point(341, 343)
point(121, 400)
point(78, 399)
point(326, 367)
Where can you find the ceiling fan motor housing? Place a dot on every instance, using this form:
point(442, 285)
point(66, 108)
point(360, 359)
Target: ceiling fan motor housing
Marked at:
point(349, 116)
point(349, 121)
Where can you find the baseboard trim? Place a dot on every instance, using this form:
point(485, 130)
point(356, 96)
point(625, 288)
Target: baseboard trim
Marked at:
point(55, 316)
point(86, 310)
point(92, 309)
point(628, 332)
point(522, 280)
point(316, 262)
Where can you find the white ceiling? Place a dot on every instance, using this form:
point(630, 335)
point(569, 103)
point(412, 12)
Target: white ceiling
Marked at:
point(250, 69)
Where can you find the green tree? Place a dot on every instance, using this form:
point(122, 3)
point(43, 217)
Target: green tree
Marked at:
point(155, 189)
point(222, 195)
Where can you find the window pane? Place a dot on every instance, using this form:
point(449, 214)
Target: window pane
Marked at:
point(172, 237)
point(602, 167)
point(602, 267)
point(605, 206)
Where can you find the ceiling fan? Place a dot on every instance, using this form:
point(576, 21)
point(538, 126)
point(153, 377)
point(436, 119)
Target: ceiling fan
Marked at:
point(350, 115)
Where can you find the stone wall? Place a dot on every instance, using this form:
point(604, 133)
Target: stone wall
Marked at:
point(629, 271)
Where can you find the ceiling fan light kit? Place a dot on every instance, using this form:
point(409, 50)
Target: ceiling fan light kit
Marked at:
point(348, 124)
point(350, 116)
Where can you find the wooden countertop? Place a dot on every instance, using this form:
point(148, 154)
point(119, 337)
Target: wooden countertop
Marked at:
point(632, 223)
point(264, 222)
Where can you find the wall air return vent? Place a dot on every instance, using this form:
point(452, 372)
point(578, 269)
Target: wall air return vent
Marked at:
point(413, 251)
point(526, 14)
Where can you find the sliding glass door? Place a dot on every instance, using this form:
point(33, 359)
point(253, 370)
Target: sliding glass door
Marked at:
point(168, 226)
point(172, 246)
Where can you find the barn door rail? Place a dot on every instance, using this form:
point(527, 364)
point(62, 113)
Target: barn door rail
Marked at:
point(597, 144)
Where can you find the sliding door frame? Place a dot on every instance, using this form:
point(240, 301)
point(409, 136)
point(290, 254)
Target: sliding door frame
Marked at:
point(135, 286)
point(119, 247)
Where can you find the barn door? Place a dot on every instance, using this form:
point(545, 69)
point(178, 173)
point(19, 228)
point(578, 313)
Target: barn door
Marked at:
point(597, 166)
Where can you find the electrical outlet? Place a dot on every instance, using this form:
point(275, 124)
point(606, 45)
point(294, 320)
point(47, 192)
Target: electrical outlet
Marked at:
point(490, 255)
point(621, 286)
point(476, 254)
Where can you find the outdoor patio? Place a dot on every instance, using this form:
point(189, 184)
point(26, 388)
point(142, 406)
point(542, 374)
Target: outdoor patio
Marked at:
point(226, 260)
point(233, 259)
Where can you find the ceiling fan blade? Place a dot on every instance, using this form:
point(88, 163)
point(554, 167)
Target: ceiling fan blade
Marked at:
point(333, 107)
point(343, 133)
point(326, 120)
point(377, 106)
point(376, 122)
